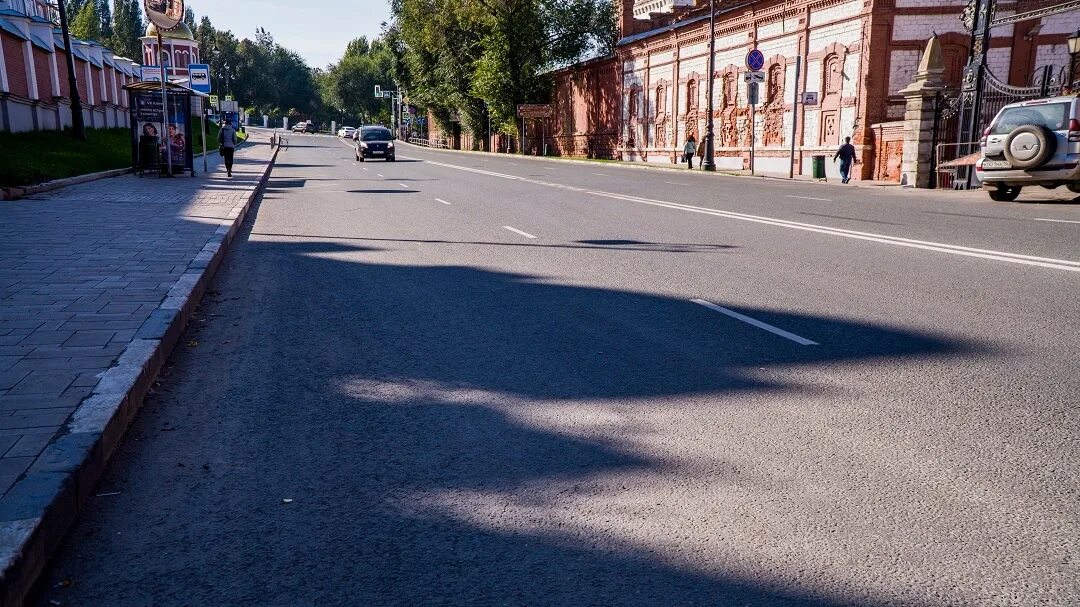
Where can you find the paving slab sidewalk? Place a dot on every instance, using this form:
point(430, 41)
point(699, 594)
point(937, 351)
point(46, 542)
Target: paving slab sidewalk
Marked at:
point(96, 283)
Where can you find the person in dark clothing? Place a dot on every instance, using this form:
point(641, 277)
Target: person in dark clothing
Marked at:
point(846, 154)
point(688, 151)
point(227, 145)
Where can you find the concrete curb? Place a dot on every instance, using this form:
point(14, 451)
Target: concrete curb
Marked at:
point(14, 193)
point(641, 166)
point(37, 511)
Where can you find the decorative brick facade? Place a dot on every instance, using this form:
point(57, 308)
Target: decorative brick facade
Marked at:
point(857, 55)
point(34, 91)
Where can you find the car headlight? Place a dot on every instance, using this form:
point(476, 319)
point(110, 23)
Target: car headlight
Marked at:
point(390, 145)
point(363, 145)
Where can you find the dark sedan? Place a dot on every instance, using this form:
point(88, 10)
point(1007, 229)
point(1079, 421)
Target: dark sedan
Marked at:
point(375, 142)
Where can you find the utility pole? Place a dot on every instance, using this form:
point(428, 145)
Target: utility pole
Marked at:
point(794, 118)
point(78, 128)
point(710, 164)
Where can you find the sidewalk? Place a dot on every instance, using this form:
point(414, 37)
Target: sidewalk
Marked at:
point(96, 283)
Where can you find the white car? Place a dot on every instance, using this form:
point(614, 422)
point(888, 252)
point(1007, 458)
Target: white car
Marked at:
point(346, 132)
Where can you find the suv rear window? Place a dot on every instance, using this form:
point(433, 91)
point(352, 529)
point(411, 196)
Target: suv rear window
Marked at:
point(376, 135)
point(1054, 116)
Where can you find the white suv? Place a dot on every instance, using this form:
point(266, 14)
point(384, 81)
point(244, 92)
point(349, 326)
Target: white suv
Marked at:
point(1032, 143)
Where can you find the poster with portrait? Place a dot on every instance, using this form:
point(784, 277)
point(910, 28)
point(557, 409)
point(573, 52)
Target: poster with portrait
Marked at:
point(152, 131)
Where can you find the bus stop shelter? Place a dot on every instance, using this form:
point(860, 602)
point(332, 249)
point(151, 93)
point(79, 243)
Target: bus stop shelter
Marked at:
point(161, 132)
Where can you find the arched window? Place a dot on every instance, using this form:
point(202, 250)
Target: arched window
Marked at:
point(691, 96)
point(635, 102)
point(834, 75)
point(776, 85)
point(660, 99)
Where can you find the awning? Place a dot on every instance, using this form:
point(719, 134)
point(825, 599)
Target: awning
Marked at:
point(155, 86)
point(41, 44)
point(10, 28)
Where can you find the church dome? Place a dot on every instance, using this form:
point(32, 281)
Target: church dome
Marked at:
point(180, 32)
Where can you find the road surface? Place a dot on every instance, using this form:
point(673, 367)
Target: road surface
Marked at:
point(472, 380)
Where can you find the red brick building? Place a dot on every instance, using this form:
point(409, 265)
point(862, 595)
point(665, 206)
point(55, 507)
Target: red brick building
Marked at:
point(856, 55)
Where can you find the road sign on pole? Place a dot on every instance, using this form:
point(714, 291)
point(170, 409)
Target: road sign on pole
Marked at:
point(199, 77)
point(214, 101)
point(810, 98)
point(755, 60)
point(378, 92)
point(752, 93)
point(754, 77)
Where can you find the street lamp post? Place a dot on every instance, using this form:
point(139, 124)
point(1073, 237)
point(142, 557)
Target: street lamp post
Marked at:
point(78, 127)
point(709, 164)
point(1073, 43)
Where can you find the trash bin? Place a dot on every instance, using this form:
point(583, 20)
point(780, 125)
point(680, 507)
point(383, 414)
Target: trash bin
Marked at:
point(819, 167)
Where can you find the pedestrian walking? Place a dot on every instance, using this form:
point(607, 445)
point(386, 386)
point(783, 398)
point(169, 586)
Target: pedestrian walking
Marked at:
point(227, 145)
point(688, 151)
point(846, 154)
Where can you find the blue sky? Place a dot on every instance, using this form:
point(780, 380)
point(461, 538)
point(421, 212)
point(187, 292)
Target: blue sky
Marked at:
point(318, 30)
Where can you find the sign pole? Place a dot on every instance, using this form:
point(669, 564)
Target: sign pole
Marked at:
point(205, 132)
point(164, 106)
point(753, 135)
point(794, 119)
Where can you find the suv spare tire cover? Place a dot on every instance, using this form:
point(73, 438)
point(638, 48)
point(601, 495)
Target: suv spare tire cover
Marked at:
point(1030, 146)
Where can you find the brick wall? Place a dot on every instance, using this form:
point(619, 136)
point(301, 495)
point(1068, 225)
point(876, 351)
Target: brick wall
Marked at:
point(16, 67)
point(44, 75)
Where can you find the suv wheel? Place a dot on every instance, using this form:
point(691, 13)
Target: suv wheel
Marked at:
point(1005, 193)
point(1030, 146)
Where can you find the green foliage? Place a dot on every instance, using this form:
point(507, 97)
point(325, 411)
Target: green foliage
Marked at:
point(348, 86)
point(87, 23)
point(48, 155)
point(127, 27)
point(260, 73)
point(474, 57)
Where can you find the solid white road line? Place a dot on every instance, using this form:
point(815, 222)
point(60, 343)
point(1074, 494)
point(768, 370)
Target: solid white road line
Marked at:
point(809, 198)
point(1031, 260)
point(1056, 220)
point(441, 200)
point(517, 231)
point(802, 341)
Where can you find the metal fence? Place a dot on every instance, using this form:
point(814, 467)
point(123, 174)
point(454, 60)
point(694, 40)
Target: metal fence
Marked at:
point(955, 163)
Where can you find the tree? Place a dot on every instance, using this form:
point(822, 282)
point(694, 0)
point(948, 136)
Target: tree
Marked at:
point(87, 23)
point(127, 27)
point(483, 57)
point(105, 16)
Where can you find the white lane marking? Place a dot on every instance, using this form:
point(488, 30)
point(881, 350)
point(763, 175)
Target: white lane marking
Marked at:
point(601, 174)
point(379, 174)
point(441, 200)
point(517, 231)
point(364, 168)
point(810, 198)
point(1031, 260)
point(1056, 220)
point(677, 183)
point(513, 164)
point(403, 185)
point(802, 341)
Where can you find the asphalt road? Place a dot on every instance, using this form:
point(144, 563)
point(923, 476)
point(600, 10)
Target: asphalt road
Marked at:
point(470, 380)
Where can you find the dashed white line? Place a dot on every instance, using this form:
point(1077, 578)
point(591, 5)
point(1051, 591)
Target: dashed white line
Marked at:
point(802, 341)
point(379, 174)
point(1030, 260)
point(601, 174)
point(403, 185)
point(677, 183)
point(810, 198)
point(517, 231)
point(441, 200)
point(1056, 220)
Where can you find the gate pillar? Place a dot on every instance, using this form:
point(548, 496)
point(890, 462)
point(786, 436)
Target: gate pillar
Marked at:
point(919, 117)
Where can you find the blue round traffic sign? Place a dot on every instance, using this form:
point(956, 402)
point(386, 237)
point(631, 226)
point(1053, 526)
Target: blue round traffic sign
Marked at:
point(755, 60)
